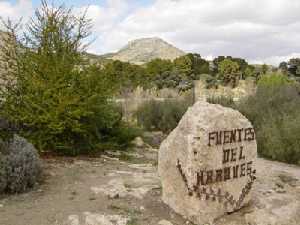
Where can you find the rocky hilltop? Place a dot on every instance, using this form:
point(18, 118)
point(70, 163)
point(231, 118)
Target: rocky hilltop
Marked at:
point(145, 49)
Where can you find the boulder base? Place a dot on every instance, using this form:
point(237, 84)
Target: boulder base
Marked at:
point(207, 163)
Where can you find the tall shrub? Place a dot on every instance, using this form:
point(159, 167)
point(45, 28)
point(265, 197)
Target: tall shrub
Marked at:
point(273, 80)
point(161, 115)
point(274, 111)
point(58, 103)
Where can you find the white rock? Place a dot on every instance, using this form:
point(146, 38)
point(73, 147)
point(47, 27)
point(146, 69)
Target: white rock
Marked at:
point(195, 150)
point(138, 142)
point(115, 188)
point(98, 219)
point(73, 220)
point(164, 222)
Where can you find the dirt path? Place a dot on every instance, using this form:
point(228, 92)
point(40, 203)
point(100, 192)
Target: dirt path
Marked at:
point(106, 191)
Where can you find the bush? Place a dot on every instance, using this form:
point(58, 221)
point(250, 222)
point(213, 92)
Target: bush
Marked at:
point(275, 113)
point(20, 166)
point(161, 115)
point(211, 81)
point(273, 80)
point(229, 72)
point(56, 102)
point(120, 138)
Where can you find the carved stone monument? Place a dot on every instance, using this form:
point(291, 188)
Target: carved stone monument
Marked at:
point(207, 163)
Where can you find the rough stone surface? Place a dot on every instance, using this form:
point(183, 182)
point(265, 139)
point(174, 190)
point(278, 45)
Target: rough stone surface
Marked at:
point(73, 220)
point(97, 219)
point(139, 185)
point(164, 222)
point(198, 180)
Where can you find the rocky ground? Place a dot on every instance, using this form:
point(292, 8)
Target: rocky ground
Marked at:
point(124, 189)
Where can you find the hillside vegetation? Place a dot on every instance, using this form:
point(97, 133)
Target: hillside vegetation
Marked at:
point(60, 97)
point(144, 50)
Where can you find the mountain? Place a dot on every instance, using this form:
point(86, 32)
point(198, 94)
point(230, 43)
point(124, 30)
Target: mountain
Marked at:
point(144, 50)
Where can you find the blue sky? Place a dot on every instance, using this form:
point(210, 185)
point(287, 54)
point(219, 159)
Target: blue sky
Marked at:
point(261, 31)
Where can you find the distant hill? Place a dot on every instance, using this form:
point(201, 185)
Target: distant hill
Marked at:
point(143, 50)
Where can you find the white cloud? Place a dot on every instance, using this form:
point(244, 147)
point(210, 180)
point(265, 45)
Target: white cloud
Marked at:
point(21, 9)
point(275, 60)
point(258, 30)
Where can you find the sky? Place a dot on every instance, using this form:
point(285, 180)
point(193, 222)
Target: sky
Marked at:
point(261, 31)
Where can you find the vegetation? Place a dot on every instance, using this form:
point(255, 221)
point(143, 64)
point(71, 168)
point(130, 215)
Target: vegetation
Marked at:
point(229, 72)
point(161, 115)
point(274, 112)
point(242, 64)
point(20, 166)
point(123, 77)
point(57, 102)
point(55, 98)
point(273, 80)
point(222, 100)
point(178, 74)
point(264, 68)
point(291, 68)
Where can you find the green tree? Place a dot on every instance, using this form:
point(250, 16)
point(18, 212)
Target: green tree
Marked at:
point(229, 72)
point(199, 65)
point(216, 63)
point(294, 67)
point(58, 103)
point(249, 71)
point(184, 65)
point(264, 69)
point(125, 76)
point(242, 63)
point(158, 66)
point(283, 66)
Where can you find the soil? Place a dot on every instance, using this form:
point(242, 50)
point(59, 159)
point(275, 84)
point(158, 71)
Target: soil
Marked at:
point(125, 189)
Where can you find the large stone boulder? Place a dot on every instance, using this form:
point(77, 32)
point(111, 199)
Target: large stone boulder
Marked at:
point(207, 163)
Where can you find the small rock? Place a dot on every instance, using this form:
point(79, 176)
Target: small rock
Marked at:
point(280, 190)
point(154, 139)
point(267, 192)
point(138, 142)
point(114, 189)
point(92, 198)
point(97, 219)
point(279, 184)
point(114, 196)
point(73, 220)
point(164, 222)
point(109, 158)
